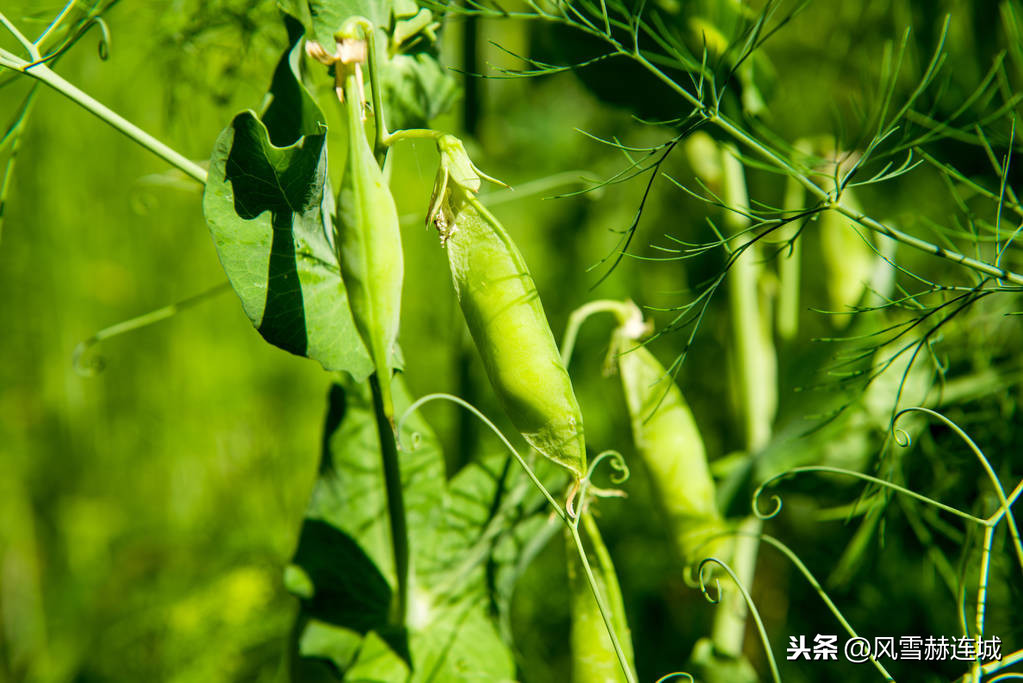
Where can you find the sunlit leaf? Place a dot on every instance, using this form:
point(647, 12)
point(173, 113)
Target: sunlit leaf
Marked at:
point(415, 87)
point(343, 569)
point(270, 211)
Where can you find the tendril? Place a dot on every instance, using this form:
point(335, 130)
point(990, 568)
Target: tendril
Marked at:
point(1004, 503)
point(485, 420)
point(620, 473)
point(103, 48)
point(815, 584)
point(901, 436)
point(775, 498)
point(89, 366)
point(679, 674)
point(749, 604)
point(865, 477)
point(620, 469)
point(104, 42)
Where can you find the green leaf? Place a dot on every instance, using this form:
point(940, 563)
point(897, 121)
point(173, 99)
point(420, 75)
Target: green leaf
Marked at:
point(328, 15)
point(377, 663)
point(415, 87)
point(292, 111)
point(269, 211)
point(343, 567)
point(270, 208)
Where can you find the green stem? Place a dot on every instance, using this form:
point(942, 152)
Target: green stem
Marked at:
point(144, 320)
point(385, 139)
point(789, 264)
point(620, 310)
point(928, 247)
point(395, 502)
point(411, 134)
point(985, 565)
point(758, 382)
point(751, 345)
point(55, 23)
point(722, 122)
point(46, 75)
point(29, 46)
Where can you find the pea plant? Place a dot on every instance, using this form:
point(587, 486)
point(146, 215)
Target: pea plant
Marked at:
point(404, 571)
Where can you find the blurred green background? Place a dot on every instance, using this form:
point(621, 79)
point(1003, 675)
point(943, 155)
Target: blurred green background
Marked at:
point(147, 511)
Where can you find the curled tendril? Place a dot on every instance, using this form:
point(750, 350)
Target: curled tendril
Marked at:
point(901, 436)
point(716, 598)
point(775, 498)
point(1004, 503)
point(584, 487)
point(677, 674)
point(104, 42)
point(749, 605)
point(103, 47)
point(867, 478)
point(570, 502)
point(620, 469)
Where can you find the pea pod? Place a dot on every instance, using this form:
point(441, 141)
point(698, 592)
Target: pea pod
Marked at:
point(505, 317)
point(368, 240)
point(669, 443)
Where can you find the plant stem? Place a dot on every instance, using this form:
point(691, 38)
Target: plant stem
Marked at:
point(928, 247)
point(620, 310)
point(754, 352)
point(789, 265)
point(985, 565)
point(722, 122)
point(171, 156)
point(45, 74)
point(395, 502)
point(757, 374)
point(729, 630)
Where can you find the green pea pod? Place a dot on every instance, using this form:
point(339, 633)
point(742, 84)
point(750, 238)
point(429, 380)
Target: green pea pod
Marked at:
point(669, 443)
point(511, 333)
point(505, 317)
point(593, 655)
point(368, 241)
point(848, 259)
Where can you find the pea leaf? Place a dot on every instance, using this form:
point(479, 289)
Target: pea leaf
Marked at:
point(416, 89)
point(461, 533)
point(269, 208)
point(414, 85)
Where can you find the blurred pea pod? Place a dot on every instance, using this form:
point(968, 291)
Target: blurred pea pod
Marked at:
point(668, 441)
point(368, 239)
point(849, 258)
point(593, 655)
point(505, 317)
